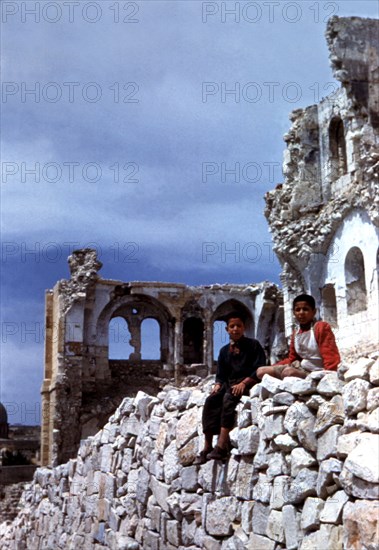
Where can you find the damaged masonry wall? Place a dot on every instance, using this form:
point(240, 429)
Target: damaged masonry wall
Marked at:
point(82, 386)
point(325, 217)
point(304, 473)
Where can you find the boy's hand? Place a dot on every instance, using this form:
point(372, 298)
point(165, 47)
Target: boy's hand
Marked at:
point(216, 388)
point(238, 389)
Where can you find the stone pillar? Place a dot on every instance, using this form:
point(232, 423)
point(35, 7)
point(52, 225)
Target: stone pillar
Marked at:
point(135, 340)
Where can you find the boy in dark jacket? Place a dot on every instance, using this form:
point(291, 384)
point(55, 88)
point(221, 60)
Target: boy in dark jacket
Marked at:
point(237, 364)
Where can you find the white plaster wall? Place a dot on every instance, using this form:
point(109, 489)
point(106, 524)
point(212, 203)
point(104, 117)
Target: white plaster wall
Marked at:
point(355, 230)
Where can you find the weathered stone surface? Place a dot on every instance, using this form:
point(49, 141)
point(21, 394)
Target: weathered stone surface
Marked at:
point(361, 525)
point(279, 493)
point(373, 421)
point(260, 518)
point(300, 458)
point(347, 442)
point(247, 515)
point(248, 440)
point(187, 454)
point(329, 413)
point(330, 385)
point(188, 478)
point(304, 386)
point(374, 373)
point(310, 517)
point(357, 487)
point(171, 465)
point(306, 434)
point(272, 426)
point(363, 460)
point(360, 369)
point(275, 529)
point(328, 537)
point(283, 398)
point(256, 542)
point(298, 412)
point(315, 401)
point(176, 400)
point(285, 442)
point(225, 508)
point(372, 399)
point(244, 418)
point(328, 469)
point(355, 396)
point(332, 511)
point(187, 426)
point(291, 523)
point(327, 443)
point(271, 384)
point(277, 465)
point(303, 486)
point(262, 489)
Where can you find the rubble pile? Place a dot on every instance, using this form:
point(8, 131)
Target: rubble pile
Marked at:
point(304, 473)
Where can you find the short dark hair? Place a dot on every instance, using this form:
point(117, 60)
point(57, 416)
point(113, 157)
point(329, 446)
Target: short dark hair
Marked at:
point(235, 315)
point(305, 298)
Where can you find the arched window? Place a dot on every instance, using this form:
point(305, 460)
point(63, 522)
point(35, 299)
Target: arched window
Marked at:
point(356, 294)
point(193, 330)
point(150, 339)
point(119, 337)
point(329, 305)
point(337, 144)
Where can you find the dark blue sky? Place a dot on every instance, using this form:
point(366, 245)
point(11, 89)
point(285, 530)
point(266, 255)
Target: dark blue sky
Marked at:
point(150, 130)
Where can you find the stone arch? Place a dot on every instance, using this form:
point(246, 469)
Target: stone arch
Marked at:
point(223, 310)
point(337, 148)
point(356, 293)
point(192, 332)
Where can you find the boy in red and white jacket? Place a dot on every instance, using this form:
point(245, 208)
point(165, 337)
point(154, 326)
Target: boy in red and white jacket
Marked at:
point(313, 346)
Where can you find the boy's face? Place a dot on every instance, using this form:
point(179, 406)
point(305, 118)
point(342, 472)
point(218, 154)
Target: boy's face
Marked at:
point(303, 312)
point(235, 328)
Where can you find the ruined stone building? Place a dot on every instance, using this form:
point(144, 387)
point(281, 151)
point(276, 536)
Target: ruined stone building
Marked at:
point(83, 386)
point(324, 218)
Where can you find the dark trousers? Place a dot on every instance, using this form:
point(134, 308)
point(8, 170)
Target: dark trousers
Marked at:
point(220, 410)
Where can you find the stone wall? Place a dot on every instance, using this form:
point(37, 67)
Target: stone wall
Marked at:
point(304, 473)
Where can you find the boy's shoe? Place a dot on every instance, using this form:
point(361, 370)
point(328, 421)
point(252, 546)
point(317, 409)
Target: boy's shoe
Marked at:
point(201, 458)
point(218, 454)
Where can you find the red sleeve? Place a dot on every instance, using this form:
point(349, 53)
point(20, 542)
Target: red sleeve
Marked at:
point(292, 356)
point(327, 345)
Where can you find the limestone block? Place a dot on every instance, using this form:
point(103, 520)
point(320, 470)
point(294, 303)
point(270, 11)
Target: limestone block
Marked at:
point(363, 460)
point(173, 532)
point(248, 440)
point(245, 479)
point(332, 511)
point(285, 442)
point(287, 383)
point(261, 458)
point(297, 412)
point(188, 529)
point(275, 529)
point(143, 488)
point(273, 426)
point(283, 398)
point(225, 508)
point(325, 479)
point(176, 400)
point(143, 404)
point(271, 384)
point(171, 463)
point(327, 443)
point(160, 442)
point(262, 489)
point(161, 492)
point(360, 369)
point(306, 434)
point(310, 516)
point(154, 425)
point(197, 398)
point(355, 396)
point(357, 487)
point(372, 399)
point(187, 426)
point(374, 373)
point(130, 426)
point(209, 543)
point(330, 385)
point(256, 542)
point(189, 478)
point(361, 525)
point(236, 542)
point(156, 466)
point(255, 408)
point(303, 486)
point(300, 458)
point(373, 421)
point(328, 537)
point(247, 515)
point(304, 386)
point(329, 413)
point(347, 442)
point(151, 540)
point(187, 454)
point(315, 401)
point(291, 523)
point(190, 505)
point(279, 494)
point(277, 465)
point(260, 518)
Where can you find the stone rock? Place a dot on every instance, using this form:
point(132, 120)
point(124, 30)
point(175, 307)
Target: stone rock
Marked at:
point(256, 542)
point(330, 385)
point(328, 537)
point(188, 477)
point(275, 529)
point(347, 442)
point(332, 510)
point(373, 421)
point(143, 404)
point(303, 486)
point(161, 492)
point(297, 412)
point(262, 489)
point(283, 398)
point(225, 508)
point(245, 479)
point(285, 442)
point(315, 401)
point(304, 386)
point(260, 518)
point(187, 454)
point(277, 465)
point(327, 443)
point(279, 492)
point(248, 440)
point(247, 515)
point(361, 525)
point(329, 413)
point(372, 399)
point(160, 442)
point(262, 456)
point(363, 460)
point(360, 369)
point(291, 521)
point(357, 487)
point(310, 516)
point(374, 373)
point(176, 400)
point(306, 434)
point(272, 426)
point(325, 480)
point(244, 418)
point(171, 465)
point(300, 458)
point(187, 426)
point(270, 384)
point(355, 396)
